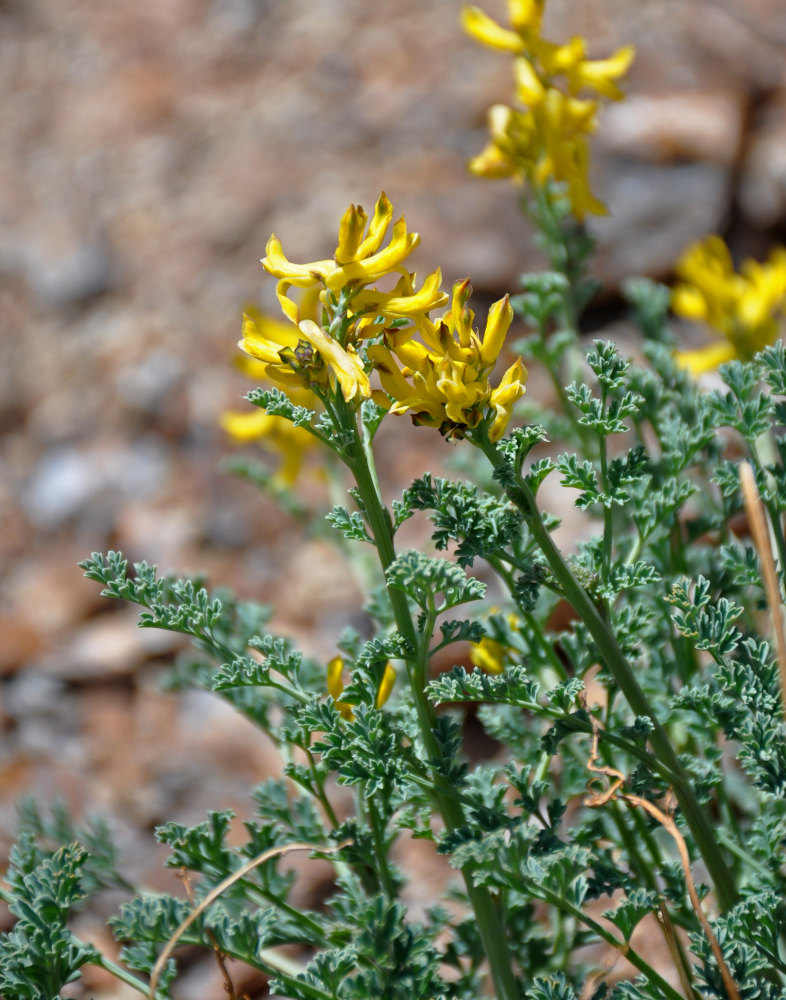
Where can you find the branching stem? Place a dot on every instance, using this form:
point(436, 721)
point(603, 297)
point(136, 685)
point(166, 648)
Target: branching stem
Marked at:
point(518, 492)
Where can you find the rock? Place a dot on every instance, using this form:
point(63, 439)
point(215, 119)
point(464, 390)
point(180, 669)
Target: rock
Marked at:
point(763, 180)
point(70, 478)
point(21, 642)
point(73, 278)
point(108, 647)
point(661, 128)
point(656, 212)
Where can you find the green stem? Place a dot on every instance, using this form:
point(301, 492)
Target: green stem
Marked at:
point(518, 492)
point(321, 794)
point(608, 521)
point(124, 976)
point(632, 956)
point(490, 925)
point(378, 836)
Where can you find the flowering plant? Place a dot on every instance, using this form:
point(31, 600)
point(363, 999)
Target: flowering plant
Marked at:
point(632, 685)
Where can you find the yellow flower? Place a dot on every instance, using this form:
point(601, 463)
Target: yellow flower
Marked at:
point(305, 355)
point(335, 686)
point(545, 143)
point(359, 259)
point(444, 381)
point(489, 655)
point(276, 434)
point(745, 308)
point(525, 18)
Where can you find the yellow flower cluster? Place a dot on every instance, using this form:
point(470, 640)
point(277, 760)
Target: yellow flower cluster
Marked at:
point(439, 371)
point(304, 353)
point(444, 381)
point(335, 686)
point(544, 138)
point(745, 308)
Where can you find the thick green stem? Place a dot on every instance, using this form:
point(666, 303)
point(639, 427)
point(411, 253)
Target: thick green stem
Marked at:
point(490, 924)
point(519, 493)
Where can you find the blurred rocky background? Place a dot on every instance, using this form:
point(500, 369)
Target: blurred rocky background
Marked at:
point(148, 150)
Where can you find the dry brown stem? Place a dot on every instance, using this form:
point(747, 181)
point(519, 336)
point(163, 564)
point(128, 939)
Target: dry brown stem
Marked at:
point(757, 521)
point(212, 896)
point(615, 781)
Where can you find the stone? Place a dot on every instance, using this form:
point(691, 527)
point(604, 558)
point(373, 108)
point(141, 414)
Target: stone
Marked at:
point(662, 128)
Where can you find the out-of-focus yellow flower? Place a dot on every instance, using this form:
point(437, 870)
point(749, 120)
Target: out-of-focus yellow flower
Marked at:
point(547, 142)
point(444, 381)
point(335, 686)
point(545, 59)
point(272, 433)
point(545, 139)
point(525, 18)
point(745, 308)
point(489, 655)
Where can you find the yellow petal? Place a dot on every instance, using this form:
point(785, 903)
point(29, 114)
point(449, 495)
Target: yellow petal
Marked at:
point(350, 234)
point(706, 359)
point(488, 654)
point(510, 389)
point(560, 58)
point(246, 426)
point(483, 29)
point(379, 264)
point(302, 275)
point(385, 685)
point(600, 74)
point(335, 682)
point(390, 375)
point(347, 368)
point(383, 215)
point(335, 685)
point(525, 15)
point(428, 298)
point(491, 163)
point(690, 302)
point(499, 319)
point(266, 348)
point(288, 306)
point(529, 87)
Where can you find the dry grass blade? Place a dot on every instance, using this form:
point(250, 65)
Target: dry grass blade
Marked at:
point(615, 781)
point(757, 521)
point(213, 895)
